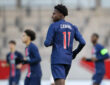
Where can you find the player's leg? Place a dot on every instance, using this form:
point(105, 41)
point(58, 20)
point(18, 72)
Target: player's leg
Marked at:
point(62, 81)
point(17, 78)
point(10, 81)
point(27, 81)
point(67, 69)
point(59, 82)
point(58, 72)
point(97, 79)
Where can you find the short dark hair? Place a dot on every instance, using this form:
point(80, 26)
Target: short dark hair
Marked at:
point(62, 9)
point(31, 34)
point(95, 34)
point(12, 42)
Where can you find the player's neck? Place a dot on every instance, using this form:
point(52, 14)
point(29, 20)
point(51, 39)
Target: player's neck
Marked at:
point(63, 18)
point(94, 44)
point(60, 19)
point(12, 50)
point(28, 42)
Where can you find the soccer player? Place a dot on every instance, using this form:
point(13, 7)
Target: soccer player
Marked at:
point(99, 54)
point(14, 59)
point(60, 36)
point(32, 58)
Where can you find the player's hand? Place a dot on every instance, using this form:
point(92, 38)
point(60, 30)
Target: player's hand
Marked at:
point(74, 55)
point(25, 58)
point(25, 62)
point(83, 58)
point(94, 59)
point(3, 65)
point(19, 66)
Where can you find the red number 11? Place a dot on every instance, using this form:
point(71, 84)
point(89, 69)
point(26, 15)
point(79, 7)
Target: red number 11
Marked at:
point(64, 41)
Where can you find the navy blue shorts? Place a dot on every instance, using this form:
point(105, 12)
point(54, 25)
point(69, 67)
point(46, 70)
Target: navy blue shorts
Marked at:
point(60, 71)
point(97, 78)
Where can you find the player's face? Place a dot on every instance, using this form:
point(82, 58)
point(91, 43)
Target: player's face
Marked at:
point(56, 16)
point(11, 46)
point(25, 38)
point(94, 39)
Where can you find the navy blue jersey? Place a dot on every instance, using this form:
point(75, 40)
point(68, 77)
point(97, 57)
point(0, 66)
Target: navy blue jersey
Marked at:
point(101, 54)
point(60, 36)
point(13, 59)
point(33, 59)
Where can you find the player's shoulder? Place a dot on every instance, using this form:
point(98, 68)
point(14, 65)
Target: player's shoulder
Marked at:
point(32, 45)
point(64, 22)
point(52, 25)
point(8, 54)
point(99, 46)
point(57, 23)
point(72, 25)
point(18, 52)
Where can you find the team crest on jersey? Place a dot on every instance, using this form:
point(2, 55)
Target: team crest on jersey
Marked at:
point(12, 61)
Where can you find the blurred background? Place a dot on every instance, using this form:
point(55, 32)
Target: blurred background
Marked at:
point(88, 15)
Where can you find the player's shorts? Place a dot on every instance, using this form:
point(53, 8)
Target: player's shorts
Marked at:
point(97, 78)
point(60, 71)
point(32, 81)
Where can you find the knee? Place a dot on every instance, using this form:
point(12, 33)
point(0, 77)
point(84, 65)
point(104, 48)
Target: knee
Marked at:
point(59, 82)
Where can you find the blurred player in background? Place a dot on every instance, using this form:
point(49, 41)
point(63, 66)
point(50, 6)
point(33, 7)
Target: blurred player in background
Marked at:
point(60, 36)
point(99, 54)
point(14, 59)
point(32, 58)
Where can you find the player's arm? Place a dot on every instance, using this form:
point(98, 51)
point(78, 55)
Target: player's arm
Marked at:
point(50, 35)
point(35, 56)
point(7, 60)
point(19, 61)
point(19, 66)
point(4, 64)
point(104, 54)
point(93, 59)
point(80, 39)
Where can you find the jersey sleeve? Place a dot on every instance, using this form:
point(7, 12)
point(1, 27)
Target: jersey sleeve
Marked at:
point(101, 53)
point(50, 36)
point(80, 39)
point(35, 58)
point(7, 58)
point(19, 58)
